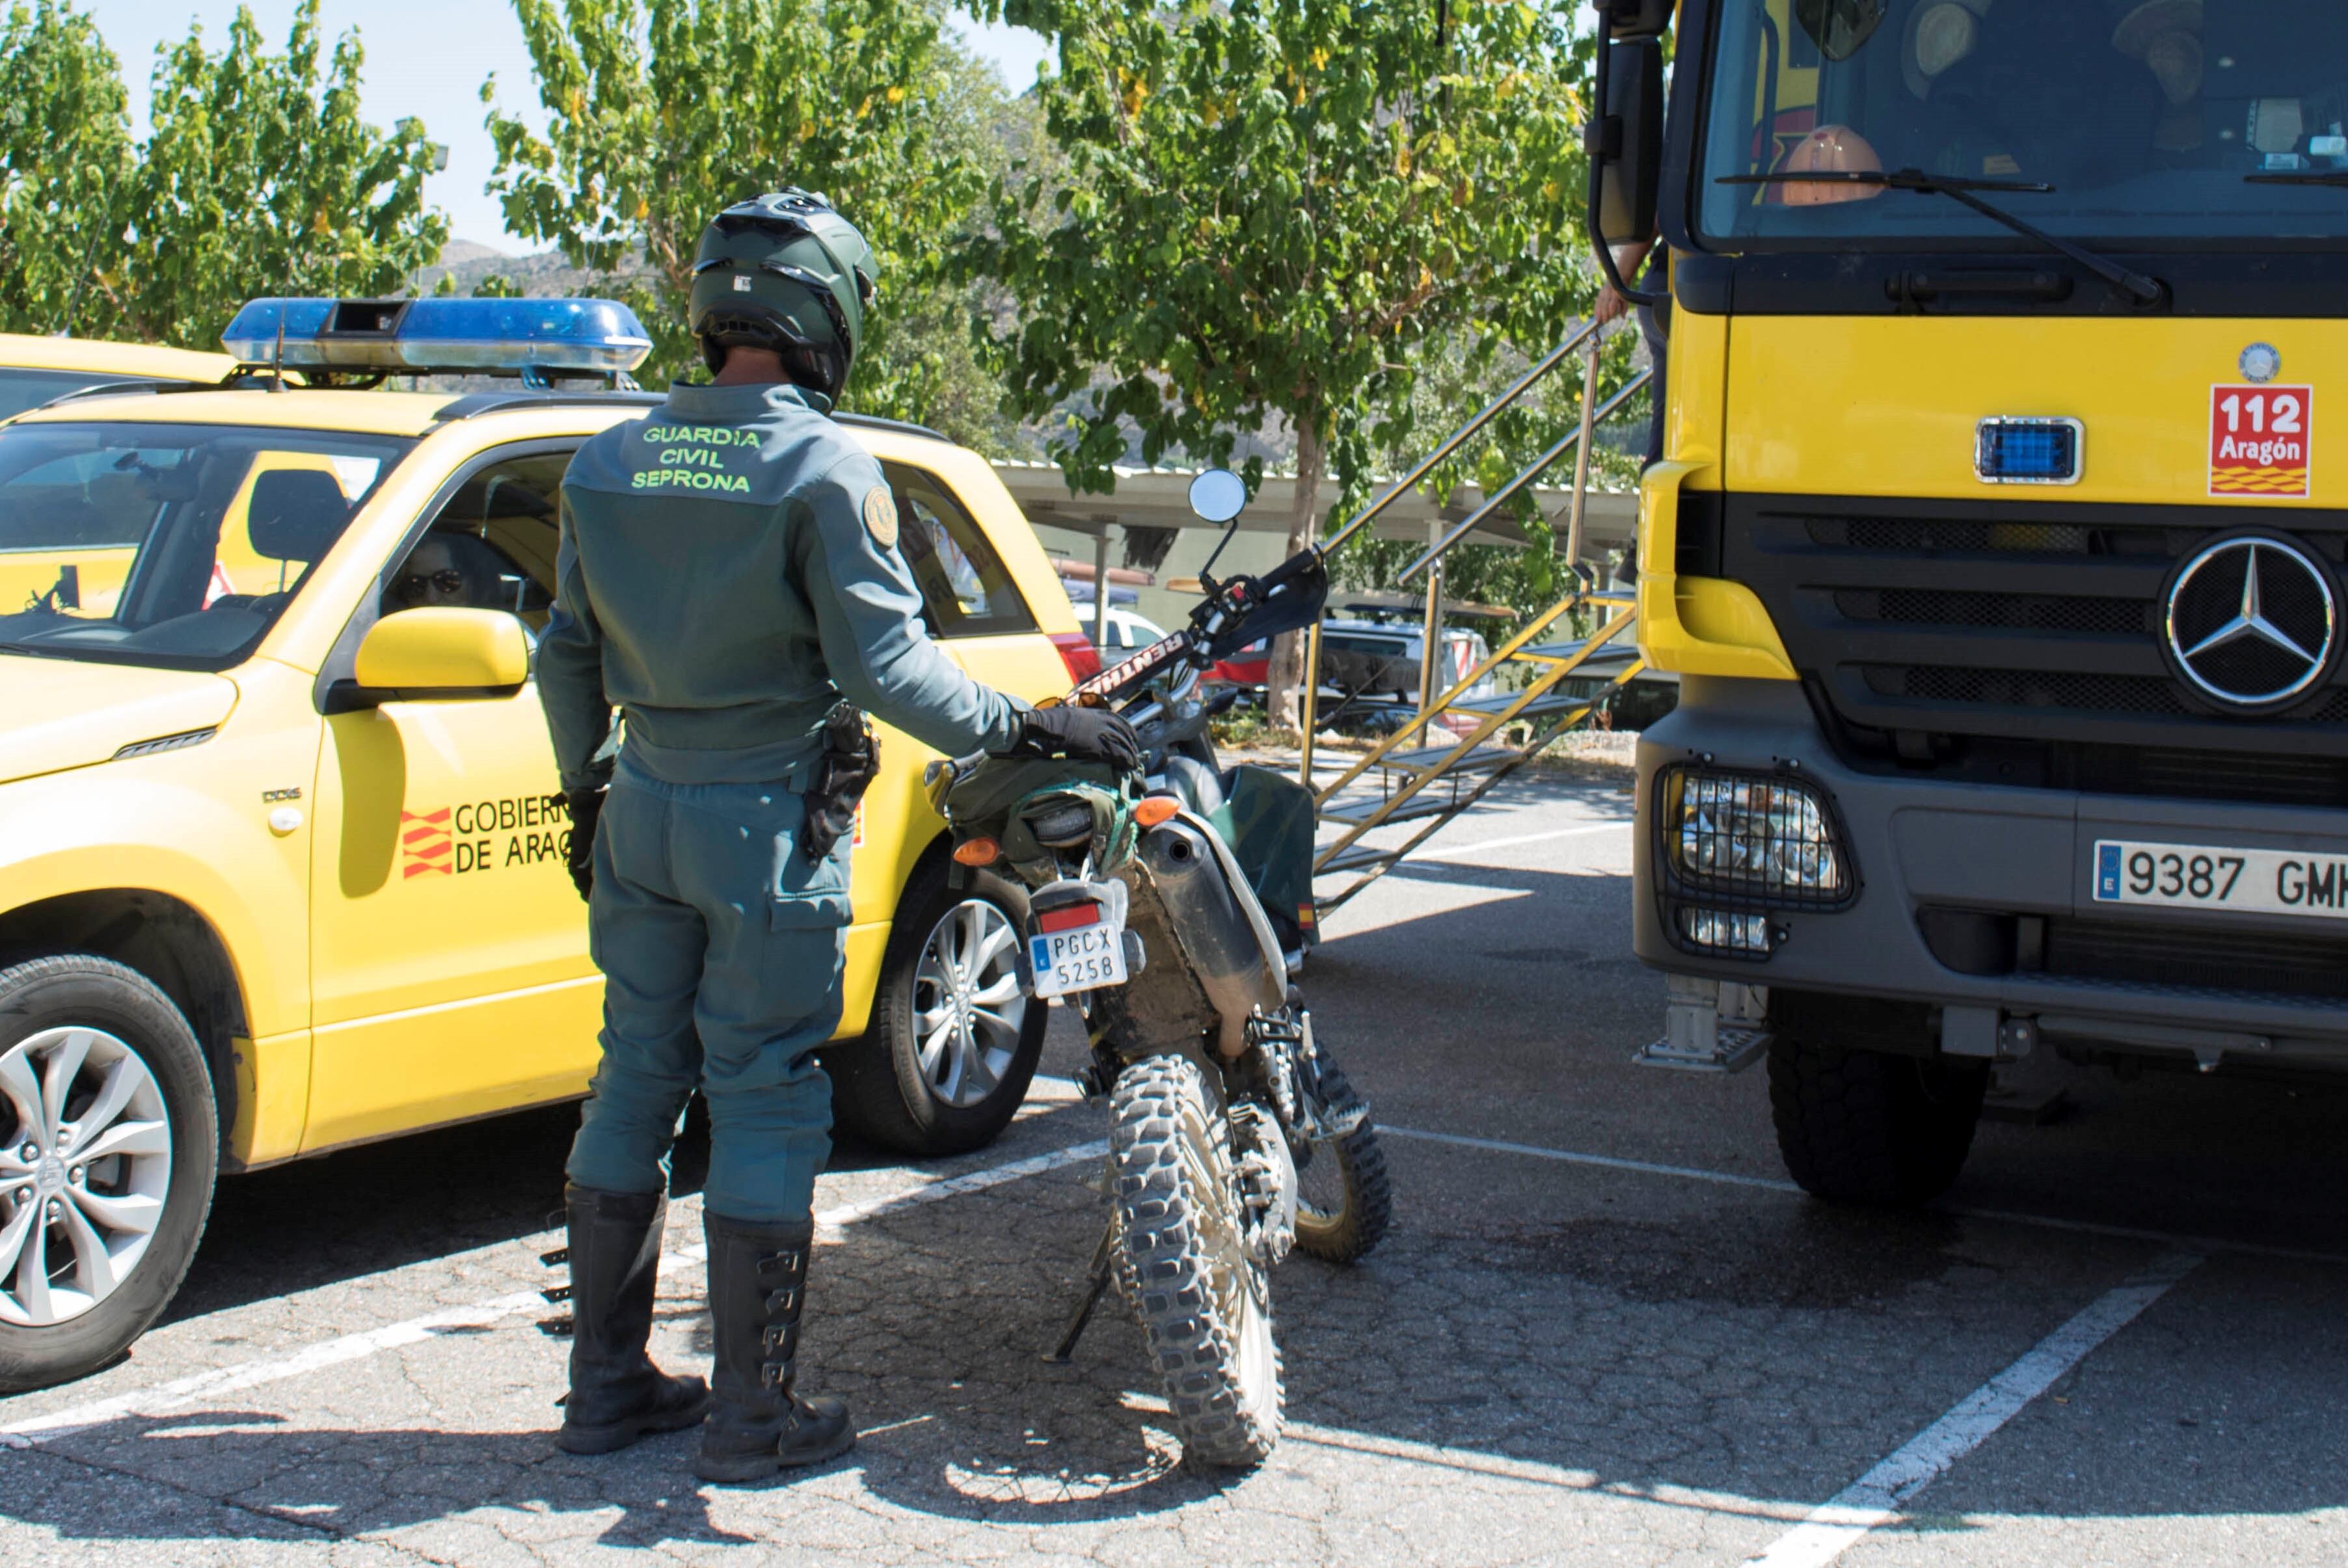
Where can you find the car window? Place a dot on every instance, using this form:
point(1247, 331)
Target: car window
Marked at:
point(491, 546)
point(176, 545)
point(965, 591)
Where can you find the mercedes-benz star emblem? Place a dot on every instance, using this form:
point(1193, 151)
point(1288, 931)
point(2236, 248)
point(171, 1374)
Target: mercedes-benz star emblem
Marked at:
point(2252, 621)
point(2260, 362)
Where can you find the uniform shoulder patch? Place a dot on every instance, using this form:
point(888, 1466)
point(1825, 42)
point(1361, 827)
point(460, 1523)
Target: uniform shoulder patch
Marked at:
point(881, 516)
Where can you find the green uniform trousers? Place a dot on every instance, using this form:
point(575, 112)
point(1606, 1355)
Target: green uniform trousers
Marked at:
point(720, 946)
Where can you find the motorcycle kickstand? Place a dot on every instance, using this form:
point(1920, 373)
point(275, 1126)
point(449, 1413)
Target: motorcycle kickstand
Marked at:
point(1066, 1351)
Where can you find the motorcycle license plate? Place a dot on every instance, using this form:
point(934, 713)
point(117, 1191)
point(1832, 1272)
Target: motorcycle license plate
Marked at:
point(1077, 948)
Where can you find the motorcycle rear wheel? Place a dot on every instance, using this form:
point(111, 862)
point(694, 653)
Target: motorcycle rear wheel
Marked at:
point(1202, 1297)
point(1343, 1202)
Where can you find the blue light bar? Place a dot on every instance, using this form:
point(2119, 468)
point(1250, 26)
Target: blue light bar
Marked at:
point(422, 337)
point(2029, 451)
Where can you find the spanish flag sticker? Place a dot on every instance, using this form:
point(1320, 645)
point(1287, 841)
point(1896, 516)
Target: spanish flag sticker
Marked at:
point(881, 516)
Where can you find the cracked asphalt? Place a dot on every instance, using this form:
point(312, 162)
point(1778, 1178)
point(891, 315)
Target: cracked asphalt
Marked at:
point(1579, 1345)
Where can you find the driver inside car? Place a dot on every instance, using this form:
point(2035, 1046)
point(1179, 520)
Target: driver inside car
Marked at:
point(446, 568)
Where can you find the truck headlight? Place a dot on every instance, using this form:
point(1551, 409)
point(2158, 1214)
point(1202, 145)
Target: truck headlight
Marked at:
point(1763, 840)
point(1726, 931)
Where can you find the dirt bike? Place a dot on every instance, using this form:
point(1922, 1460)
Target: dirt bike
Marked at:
point(1172, 908)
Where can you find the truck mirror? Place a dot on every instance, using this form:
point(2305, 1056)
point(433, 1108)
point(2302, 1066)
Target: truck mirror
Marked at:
point(1838, 27)
point(1636, 18)
point(1626, 146)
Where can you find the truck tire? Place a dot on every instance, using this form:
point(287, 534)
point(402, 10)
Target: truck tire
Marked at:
point(953, 1042)
point(106, 1164)
point(1872, 1127)
point(1183, 1265)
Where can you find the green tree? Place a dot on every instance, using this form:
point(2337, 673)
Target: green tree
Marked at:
point(662, 115)
point(261, 177)
point(65, 149)
point(1268, 206)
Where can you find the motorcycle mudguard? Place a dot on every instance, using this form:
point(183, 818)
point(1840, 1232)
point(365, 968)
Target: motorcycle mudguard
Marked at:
point(1266, 818)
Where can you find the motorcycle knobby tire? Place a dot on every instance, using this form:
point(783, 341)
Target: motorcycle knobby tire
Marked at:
point(1202, 1298)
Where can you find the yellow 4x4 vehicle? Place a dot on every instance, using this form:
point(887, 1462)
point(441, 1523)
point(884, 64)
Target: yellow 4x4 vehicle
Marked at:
point(281, 841)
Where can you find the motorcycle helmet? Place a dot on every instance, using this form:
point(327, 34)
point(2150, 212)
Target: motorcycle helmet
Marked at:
point(784, 271)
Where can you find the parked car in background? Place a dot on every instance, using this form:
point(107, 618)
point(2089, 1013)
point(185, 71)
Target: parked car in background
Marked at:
point(32, 370)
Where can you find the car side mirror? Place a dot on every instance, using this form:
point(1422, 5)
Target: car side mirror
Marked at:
point(1626, 144)
point(442, 651)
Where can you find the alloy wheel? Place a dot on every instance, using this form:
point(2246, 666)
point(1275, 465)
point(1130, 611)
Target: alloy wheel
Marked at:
point(968, 1008)
point(83, 1173)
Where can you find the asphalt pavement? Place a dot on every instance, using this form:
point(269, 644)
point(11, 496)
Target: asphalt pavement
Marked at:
point(1604, 1329)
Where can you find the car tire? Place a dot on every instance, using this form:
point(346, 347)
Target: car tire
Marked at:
point(1873, 1128)
point(952, 1085)
point(99, 1040)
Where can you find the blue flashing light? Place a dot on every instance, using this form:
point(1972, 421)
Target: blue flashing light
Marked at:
point(421, 336)
point(2028, 451)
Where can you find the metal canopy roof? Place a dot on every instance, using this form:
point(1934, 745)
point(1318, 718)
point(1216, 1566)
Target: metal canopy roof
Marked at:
point(1160, 498)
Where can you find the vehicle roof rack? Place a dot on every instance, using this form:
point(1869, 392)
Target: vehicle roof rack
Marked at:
point(475, 404)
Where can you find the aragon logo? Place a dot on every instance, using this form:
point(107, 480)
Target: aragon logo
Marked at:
point(425, 842)
point(485, 835)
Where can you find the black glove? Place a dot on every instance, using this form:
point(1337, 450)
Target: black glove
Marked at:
point(586, 807)
point(1082, 735)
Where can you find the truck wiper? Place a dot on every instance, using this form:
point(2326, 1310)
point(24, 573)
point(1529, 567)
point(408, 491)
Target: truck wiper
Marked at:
point(2146, 290)
point(2303, 176)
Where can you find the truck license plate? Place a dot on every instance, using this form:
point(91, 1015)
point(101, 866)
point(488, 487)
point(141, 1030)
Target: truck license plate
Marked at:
point(1079, 948)
point(2201, 876)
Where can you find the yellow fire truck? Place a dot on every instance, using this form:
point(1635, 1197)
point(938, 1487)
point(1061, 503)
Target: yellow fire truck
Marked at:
point(1995, 545)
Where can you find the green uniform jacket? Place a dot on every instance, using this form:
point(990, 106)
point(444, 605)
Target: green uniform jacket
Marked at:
point(728, 572)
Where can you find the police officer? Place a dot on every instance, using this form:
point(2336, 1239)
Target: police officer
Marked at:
point(728, 572)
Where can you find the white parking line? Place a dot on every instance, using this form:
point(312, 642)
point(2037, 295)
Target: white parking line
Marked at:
point(1874, 1499)
point(180, 1392)
point(1959, 1211)
point(1454, 851)
point(1604, 1162)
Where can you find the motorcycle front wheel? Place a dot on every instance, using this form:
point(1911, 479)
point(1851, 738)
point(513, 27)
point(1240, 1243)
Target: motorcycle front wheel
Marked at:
point(1202, 1296)
point(1343, 1202)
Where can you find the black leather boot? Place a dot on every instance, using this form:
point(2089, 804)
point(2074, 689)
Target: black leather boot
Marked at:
point(757, 1287)
point(617, 1395)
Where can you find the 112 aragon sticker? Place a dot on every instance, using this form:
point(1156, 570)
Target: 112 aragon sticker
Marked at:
point(2261, 441)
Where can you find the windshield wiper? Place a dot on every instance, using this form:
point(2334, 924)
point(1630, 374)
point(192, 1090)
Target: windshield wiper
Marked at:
point(2146, 290)
point(2303, 177)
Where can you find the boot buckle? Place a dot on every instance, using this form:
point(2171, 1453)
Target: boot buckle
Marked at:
point(781, 1302)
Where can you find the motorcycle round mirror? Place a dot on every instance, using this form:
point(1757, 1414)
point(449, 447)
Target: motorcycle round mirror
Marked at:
point(1218, 495)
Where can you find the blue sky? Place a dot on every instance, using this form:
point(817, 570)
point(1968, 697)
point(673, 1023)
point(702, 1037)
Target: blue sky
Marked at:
point(428, 58)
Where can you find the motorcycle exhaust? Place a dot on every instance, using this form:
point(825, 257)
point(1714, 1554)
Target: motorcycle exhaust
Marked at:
point(1230, 944)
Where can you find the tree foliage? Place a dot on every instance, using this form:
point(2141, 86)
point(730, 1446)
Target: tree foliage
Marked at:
point(1270, 207)
point(64, 147)
point(659, 116)
point(259, 177)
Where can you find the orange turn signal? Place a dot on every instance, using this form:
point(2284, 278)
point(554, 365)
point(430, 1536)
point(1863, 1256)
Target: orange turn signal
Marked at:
point(978, 852)
point(1156, 809)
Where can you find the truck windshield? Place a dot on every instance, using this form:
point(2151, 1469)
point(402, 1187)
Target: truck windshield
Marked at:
point(173, 545)
point(2146, 116)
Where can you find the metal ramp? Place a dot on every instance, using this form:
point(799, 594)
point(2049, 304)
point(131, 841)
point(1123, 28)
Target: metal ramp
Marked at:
point(1457, 745)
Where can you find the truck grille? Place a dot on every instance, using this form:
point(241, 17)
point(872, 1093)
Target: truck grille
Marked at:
point(2197, 958)
point(2015, 621)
